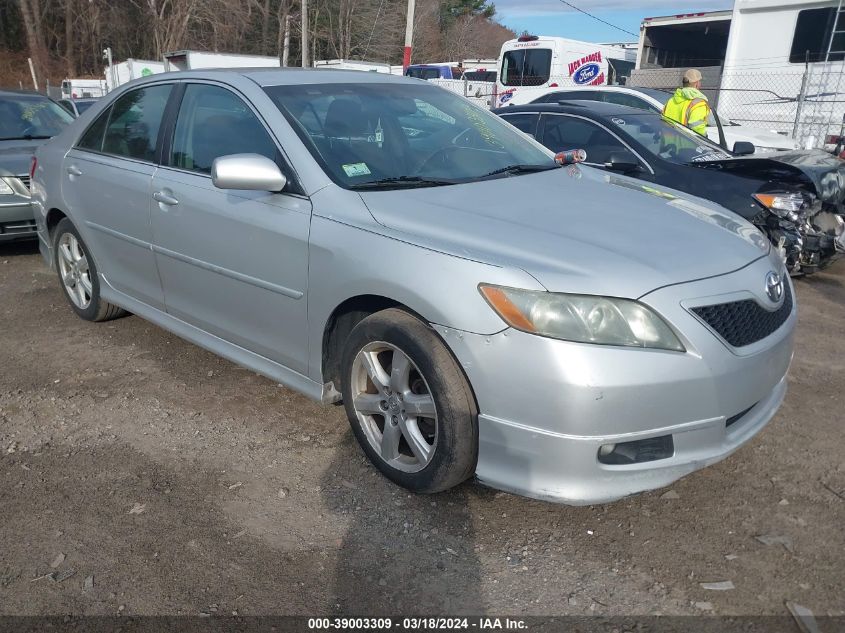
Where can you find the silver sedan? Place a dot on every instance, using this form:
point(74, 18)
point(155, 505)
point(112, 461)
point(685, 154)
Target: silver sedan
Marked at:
point(480, 309)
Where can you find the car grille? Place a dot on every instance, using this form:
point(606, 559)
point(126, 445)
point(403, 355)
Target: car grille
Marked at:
point(25, 181)
point(745, 322)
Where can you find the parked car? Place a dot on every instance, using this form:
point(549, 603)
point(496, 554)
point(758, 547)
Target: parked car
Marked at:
point(76, 106)
point(723, 132)
point(27, 119)
point(796, 198)
point(478, 308)
point(434, 71)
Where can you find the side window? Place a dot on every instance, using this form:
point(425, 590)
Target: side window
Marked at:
point(562, 133)
point(215, 122)
point(813, 32)
point(132, 130)
point(526, 123)
point(93, 137)
point(624, 99)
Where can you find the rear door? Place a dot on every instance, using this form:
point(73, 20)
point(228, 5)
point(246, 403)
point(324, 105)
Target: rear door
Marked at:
point(232, 263)
point(106, 185)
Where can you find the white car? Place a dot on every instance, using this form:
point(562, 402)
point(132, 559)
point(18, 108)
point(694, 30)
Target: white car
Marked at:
point(653, 99)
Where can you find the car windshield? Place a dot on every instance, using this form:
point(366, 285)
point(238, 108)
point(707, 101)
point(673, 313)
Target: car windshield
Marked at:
point(667, 139)
point(404, 134)
point(28, 117)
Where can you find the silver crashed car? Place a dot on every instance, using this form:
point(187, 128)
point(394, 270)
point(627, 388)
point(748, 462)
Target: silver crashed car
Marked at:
point(479, 309)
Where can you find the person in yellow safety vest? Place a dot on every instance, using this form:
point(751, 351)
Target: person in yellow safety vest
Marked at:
point(688, 106)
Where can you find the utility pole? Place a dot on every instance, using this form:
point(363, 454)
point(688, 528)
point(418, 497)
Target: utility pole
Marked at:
point(409, 36)
point(286, 49)
point(305, 63)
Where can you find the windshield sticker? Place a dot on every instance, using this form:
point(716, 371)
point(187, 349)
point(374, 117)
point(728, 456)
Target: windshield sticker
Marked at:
point(618, 121)
point(356, 170)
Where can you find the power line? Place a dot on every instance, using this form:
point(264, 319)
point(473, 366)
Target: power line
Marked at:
point(618, 28)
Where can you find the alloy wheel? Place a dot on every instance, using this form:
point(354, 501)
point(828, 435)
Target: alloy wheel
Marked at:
point(394, 406)
point(74, 271)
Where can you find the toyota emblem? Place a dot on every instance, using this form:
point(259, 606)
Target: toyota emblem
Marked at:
point(774, 286)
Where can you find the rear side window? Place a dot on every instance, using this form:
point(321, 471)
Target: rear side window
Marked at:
point(93, 137)
point(625, 99)
point(527, 67)
point(134, 121)
point(523, 122)
point(571, 95)
point(215, 122)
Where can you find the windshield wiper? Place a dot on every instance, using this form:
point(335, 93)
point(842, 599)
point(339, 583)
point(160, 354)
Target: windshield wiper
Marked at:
point(403, 182)
point(26, 137)
point(520, 169)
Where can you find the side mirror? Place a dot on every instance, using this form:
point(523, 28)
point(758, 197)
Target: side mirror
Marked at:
point(624, 162)
point(743, 148)
point(247, 171)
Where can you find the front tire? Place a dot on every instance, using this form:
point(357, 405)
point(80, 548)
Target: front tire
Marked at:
point(410, 407)
point(78, 275)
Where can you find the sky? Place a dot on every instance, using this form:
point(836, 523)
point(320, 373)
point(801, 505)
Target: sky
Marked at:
point(553, 17)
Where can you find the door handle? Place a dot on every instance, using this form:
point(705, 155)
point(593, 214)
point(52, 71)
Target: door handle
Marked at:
point(163, 198)
point(73, 170)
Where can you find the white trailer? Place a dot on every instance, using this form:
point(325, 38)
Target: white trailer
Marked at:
point(353, 64)
point(83, 88)
point(192, 60)
point(531, 64)
point(126, 71)
point(776, 64)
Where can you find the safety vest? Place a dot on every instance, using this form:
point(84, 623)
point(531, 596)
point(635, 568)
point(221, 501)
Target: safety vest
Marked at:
point(691, 113)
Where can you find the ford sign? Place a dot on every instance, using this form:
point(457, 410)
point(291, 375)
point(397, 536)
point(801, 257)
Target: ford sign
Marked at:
point(586, 73)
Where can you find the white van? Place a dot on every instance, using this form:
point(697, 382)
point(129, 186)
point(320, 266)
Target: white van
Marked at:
point(83, 88)
point(531, 64)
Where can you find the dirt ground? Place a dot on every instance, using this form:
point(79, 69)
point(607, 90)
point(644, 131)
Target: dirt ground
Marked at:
point(152, 477)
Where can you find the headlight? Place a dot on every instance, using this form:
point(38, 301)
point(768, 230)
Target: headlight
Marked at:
point(5, 189)
point(582, 318)
point(790, 206)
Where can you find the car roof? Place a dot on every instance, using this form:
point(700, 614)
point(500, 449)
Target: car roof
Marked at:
point(590, 109)
point(10, 92)
point(282, 76)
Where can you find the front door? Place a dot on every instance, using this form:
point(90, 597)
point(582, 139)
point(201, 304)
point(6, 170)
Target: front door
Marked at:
point(106, 184)
point(233, 263)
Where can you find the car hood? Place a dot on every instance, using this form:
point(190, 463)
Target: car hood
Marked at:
point(576, 229)
point(823, 172)
point(758, 136)
point(15, 156)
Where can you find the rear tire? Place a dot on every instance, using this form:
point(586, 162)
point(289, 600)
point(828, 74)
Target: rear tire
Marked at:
point(78, 275)
point(416, 420)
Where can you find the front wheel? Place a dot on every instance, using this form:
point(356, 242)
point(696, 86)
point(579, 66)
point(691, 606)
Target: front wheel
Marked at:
point(78, 275)
point(408, 402)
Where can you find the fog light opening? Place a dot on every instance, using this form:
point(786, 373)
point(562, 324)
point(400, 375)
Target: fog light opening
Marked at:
point(606, 450)
point(637, 452)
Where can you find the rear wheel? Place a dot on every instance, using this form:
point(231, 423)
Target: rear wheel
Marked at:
point(408, 402)
point(78, 275)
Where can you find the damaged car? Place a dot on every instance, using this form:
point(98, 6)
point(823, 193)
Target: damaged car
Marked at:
point(795, 197)
point(480, 310)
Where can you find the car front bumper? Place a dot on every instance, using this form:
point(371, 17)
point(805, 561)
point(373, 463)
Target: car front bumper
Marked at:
point(17, 221)
point(547, 406)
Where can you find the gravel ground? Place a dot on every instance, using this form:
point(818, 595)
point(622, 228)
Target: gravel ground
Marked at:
point(151, 477)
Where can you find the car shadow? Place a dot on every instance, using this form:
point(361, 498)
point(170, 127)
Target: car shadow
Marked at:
point(22, 247)
point(401, 553)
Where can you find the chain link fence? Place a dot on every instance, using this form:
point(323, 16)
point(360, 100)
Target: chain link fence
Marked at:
point(806, 104)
